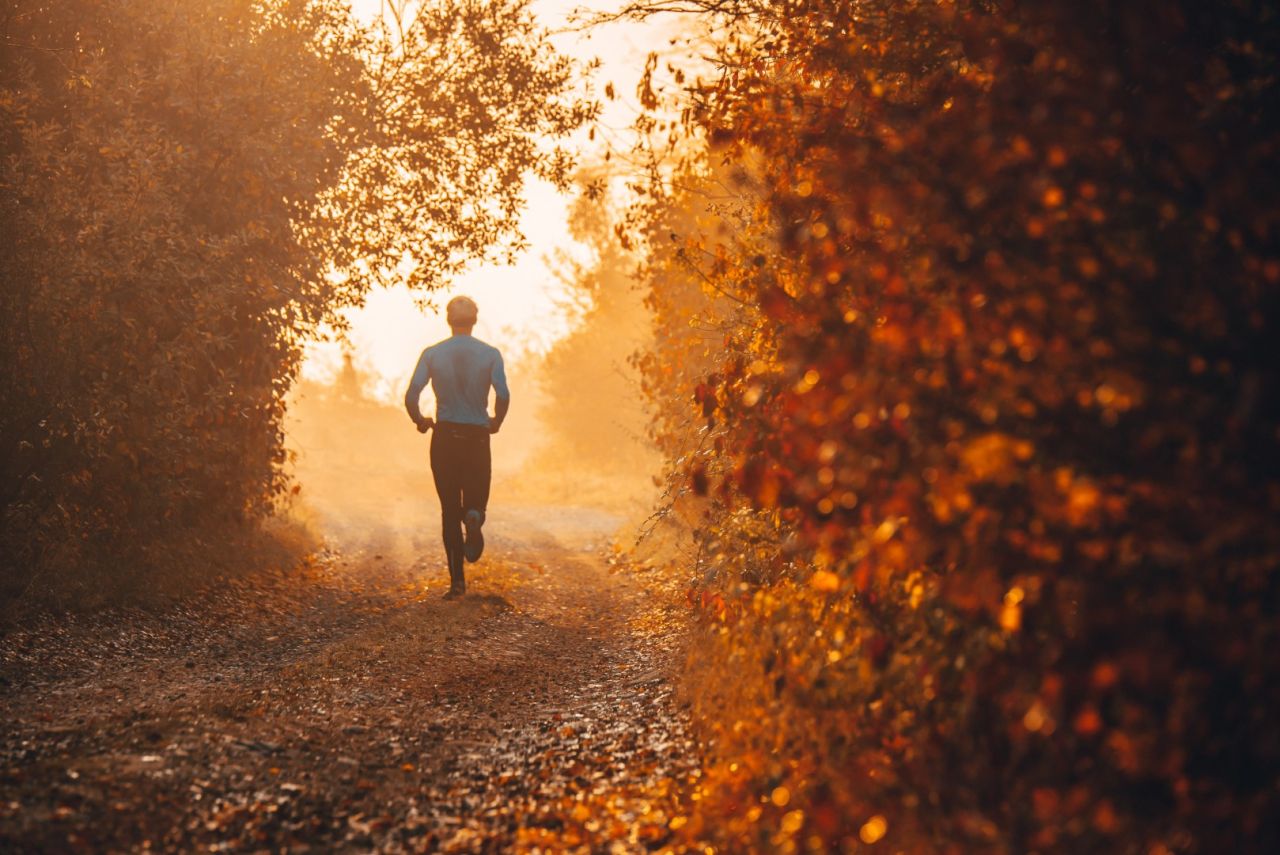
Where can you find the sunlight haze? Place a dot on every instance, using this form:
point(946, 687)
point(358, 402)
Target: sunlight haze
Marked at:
point(522, 305)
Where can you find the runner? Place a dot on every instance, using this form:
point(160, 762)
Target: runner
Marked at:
point(461, 369)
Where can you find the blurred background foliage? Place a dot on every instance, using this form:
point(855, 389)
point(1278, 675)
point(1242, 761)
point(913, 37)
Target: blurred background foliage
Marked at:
point(190, 190)
point(590, 442)
point(962, 370)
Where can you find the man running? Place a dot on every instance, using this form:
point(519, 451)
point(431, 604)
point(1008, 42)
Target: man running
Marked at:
point(461, 369)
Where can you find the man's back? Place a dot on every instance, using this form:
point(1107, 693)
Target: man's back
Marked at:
point(461, 369)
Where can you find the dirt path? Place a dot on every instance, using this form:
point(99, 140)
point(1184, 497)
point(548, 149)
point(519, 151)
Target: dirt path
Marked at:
point(348, 707)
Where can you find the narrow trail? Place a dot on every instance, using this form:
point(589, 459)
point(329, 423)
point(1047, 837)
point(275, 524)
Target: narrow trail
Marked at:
point(345, 706)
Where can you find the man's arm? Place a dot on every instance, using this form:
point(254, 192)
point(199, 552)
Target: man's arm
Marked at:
point(502, 395)
point(421, 376)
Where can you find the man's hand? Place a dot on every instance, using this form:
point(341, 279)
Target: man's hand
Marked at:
point(425, 425)
point(494, 424)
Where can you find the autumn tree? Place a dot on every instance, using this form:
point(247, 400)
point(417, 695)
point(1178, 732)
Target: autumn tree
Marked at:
point(1014, 411)
point(188, 191)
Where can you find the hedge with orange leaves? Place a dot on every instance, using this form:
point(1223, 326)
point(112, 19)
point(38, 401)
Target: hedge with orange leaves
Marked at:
point(988, 425)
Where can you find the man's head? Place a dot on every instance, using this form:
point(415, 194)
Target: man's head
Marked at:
point(461, 313)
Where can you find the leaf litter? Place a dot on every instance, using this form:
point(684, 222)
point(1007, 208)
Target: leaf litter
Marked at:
point(344, 706)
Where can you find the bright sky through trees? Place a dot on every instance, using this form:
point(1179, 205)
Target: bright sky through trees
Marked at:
point(519, 304)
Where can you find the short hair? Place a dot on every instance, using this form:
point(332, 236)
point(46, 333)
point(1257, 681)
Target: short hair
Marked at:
point(461, 312)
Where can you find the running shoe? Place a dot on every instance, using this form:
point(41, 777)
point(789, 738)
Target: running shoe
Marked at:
point(474, 545)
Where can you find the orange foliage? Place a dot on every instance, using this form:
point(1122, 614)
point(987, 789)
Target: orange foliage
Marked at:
point(970, 369)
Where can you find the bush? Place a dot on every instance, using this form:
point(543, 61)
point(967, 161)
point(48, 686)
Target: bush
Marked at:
point(995, 405)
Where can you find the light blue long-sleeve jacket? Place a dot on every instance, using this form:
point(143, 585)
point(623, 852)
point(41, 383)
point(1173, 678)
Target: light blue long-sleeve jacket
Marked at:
point(461, 369)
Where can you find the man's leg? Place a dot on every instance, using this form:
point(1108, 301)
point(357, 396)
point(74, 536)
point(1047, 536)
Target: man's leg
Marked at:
point(445, 471)
point(476, 477)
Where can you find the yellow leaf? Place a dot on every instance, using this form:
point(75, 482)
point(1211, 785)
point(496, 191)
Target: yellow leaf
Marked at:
point(873, 829)
point(825, 581)
point(885, 531)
